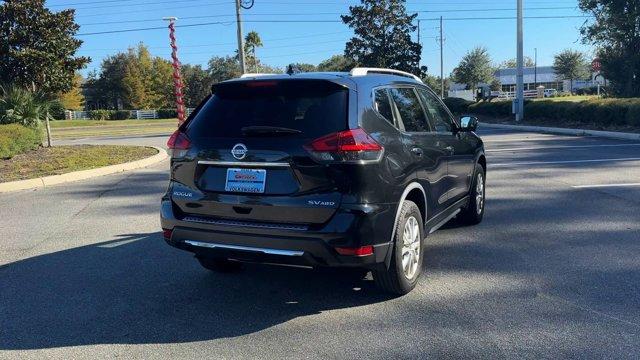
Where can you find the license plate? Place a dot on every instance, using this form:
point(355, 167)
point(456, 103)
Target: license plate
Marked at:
point(245, 180)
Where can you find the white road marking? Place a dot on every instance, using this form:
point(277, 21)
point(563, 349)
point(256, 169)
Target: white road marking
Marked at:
point(560, 147)
point(550, 137)
point(604, 185)
point(117, 243)
point(560, 162)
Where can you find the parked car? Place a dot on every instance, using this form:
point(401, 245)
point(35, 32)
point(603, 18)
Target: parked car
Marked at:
point(322, 170)
point(550, 92)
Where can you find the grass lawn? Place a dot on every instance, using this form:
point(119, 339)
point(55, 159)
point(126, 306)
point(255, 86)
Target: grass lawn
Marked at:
point(573, 98)
point(75, 129)
point(80, 123)
point(63, 159)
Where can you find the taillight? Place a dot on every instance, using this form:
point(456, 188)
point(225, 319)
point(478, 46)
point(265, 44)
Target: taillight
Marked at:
point(352, 145)
point(166, 233)
point(178, 144)
point(359, 251)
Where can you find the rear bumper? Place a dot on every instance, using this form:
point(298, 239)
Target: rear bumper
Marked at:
point(352, 226)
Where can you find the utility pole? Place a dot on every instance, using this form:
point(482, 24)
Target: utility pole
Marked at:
point(419, 32)
point(535, 68)
point(240, 38)
point(520, 74)
point(441, 62)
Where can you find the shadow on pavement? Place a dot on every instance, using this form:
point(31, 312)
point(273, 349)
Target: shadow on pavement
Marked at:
point(137, 290)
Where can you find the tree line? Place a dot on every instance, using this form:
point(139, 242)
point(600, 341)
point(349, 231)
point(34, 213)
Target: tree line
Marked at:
point(476, 67)
point(38, 52)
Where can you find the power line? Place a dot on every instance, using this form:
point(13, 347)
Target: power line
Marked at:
point(229, 43)
point(315, 13)
point(513, 17)
point(329, 21)
point(148, 3)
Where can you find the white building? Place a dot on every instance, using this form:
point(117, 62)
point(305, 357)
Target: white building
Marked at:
point(533, 77)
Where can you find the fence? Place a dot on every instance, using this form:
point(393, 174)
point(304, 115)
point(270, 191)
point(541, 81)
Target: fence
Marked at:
point(133, 114)
point(468, 95)
point(528, 94)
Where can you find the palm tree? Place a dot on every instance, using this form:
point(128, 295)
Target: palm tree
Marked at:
point(21, 106)
point(252, 41)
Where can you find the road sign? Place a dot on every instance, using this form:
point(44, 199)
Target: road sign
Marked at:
point(596, 65)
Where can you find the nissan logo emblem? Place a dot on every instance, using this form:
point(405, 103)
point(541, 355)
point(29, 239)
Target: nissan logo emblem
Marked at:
point(239, 151)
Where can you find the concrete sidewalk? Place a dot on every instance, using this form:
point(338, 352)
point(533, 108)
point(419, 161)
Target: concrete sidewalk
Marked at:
point(565, 131)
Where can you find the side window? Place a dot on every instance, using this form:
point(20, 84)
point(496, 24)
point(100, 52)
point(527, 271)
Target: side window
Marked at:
point(382, 104)
point(438, 116)
point(409, 110)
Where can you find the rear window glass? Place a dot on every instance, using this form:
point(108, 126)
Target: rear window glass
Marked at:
point(315, 108)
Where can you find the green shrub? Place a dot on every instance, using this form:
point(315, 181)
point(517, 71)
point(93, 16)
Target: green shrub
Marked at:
point(56, 110)
point(596, 112)
point(16, 139)
point(119, 114)
point(167, 113)
point(457, 105)
point(633, 114)
point(20, 106)
point(99, 114)
point(494, 108)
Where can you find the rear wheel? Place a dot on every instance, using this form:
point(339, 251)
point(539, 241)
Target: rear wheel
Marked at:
point(406, 260)
point(219, 264)
point(474, 212)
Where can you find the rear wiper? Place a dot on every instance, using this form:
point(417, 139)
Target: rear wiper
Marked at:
point(267, 130)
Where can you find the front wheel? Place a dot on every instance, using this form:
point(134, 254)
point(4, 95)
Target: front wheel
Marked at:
point(406, 260)
point(474, 212)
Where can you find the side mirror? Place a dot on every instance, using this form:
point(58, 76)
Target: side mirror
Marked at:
point(468, 123)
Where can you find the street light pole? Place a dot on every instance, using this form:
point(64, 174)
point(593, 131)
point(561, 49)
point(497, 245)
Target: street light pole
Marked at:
point(441, 62)
point(240, 39)
point(520, 74)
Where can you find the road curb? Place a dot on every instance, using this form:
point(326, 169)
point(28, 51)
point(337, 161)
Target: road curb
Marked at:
point(564, 131)
point(46, 181)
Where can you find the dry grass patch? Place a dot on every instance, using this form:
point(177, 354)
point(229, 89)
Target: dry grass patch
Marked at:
point(63, 159)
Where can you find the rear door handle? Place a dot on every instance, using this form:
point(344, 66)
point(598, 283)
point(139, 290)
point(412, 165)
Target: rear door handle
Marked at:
point(416, 151)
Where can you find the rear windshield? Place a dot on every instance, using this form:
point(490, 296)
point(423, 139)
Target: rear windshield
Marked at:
point(315, 108)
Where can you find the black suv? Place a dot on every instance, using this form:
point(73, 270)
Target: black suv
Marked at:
point(322, 169)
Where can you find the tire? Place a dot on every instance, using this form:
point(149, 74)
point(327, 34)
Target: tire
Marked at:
point(399, 279)
point(219, 264)
point(473, 213)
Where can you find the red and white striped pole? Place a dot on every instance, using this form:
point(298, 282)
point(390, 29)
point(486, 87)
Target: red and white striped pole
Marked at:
point(177, 78)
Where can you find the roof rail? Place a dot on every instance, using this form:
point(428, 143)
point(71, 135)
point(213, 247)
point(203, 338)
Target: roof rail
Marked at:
point(249, 75)
point(362, 71)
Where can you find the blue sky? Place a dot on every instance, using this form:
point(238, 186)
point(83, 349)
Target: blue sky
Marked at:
point(312, 42)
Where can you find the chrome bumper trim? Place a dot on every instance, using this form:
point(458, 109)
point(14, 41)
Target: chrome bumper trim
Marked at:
point(245, 248)
point(244, 164)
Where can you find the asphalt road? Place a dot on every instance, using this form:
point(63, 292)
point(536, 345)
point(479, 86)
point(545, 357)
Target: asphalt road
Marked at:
point(552, 272)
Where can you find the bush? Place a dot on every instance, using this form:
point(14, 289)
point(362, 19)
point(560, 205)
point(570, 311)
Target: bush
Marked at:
point(20, 106)
point(119, 114)
point(99, 114)
point(633, 114)
point(167, 113)
point(457, 105)
point(495, 108)
point(16, 139)
point(56, 110)
point(596, 112)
